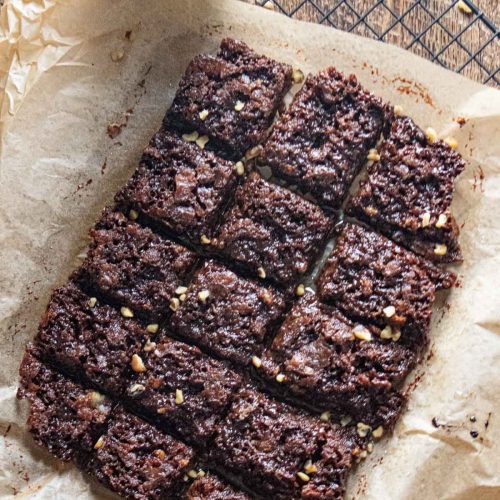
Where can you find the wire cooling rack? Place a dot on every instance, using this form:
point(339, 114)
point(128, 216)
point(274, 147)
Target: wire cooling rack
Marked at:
point(465, 42)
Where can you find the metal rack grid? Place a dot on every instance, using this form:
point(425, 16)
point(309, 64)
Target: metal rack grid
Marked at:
point(468, 43)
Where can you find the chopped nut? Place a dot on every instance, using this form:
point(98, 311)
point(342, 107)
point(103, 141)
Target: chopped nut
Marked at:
point(203, 295)
point(204, 240)
point(182, 297)
point(373, 155)
point(174, 303)
point(126, 312)
point(398, 110)
point(201, 473)
point(363, 429)
point(363, 454)
point(239, 106)
point(137, 364)
point(256, 361)
point(310, 468)
point(303, 476)
point(203, 114)
point(426, 219)
point(160, 454)
point(280, 377)
point(261, 273)
point(378, 432)
point(369, 447)
point(345, 420)
point(149, 346)
point(461, 5)
point(253, 153)
point(268, 5)
point(180, 290)
point(152, 328)
point(179, 397)
point(240, 168)
point(300, 290)
point(441, 221)
point(133, 214)
point(431, 134)
point(191, 137)
point(202, 141)
point(97, 399)
point(389, 311)
point(440, 249)
point(362, 333)
point(386, 333)
point(117, 55)
point(396, 335)
point(92, 302)
point(452, 142)
point(371, 211)
point(99, 443)
point(136, 389)
point(325, 416)
point(297, 75)
point(192, 474)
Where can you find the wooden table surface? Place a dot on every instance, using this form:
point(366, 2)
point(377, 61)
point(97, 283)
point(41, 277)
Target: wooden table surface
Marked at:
point(438, 38)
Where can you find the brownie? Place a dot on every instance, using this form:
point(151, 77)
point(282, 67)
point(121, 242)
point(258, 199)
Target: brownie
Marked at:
point(272, 232)
point(371, 279)
point(267, 445)
point(180, 187)
point(408, 193)
point(138, 461)
point(64, 417)
point(323, 139)
point(212, 487)
point(183, 389)
point(232, 317)
point(317, 358)
point(232, 97)
point(89, 339)
point(134, 267)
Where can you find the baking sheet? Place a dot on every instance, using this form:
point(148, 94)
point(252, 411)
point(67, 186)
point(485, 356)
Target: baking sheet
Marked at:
point(60, 90)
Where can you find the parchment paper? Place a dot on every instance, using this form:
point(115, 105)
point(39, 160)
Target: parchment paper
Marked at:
point(58, 168)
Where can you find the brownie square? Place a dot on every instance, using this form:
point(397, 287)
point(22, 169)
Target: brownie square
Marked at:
point(323, 139)
point(317, 358)
point(371, 279)
point(180, 187)
point(64, 417)
point(408, 193)
point(138, 461)
point(267, 445)
point(232, 97)
point(134, 267)
point(230, 316)
point(272, 232)
point(212, 487)
point(183, 389)
point(89, 339)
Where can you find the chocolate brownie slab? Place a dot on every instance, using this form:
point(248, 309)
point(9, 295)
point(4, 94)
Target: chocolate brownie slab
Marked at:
point(408, 193)
point(272, 232)
point(180, 187)
point(212, 487)
point(320, 357)
point(371, 279)
point(323, 139)
point(64, 417)
point(89, 339)
point(281, 452)
point(134, 267)
point(138, 461)
point(230, 316)
point(232, 98)
point(182, 388)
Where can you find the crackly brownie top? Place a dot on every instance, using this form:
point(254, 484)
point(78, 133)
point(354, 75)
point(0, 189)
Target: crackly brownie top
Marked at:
point(212, 487)
point(272, 231)
point(184, 387)
point(64, 417)
point(372, 279)
point(89, 338)
point(317, 356)
point(268, 443)
point(229, 315)
point(232, 97)
point(138, 461)
point(133, 266)
point(180, 186)
point(322, 140)
point(411, 187)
